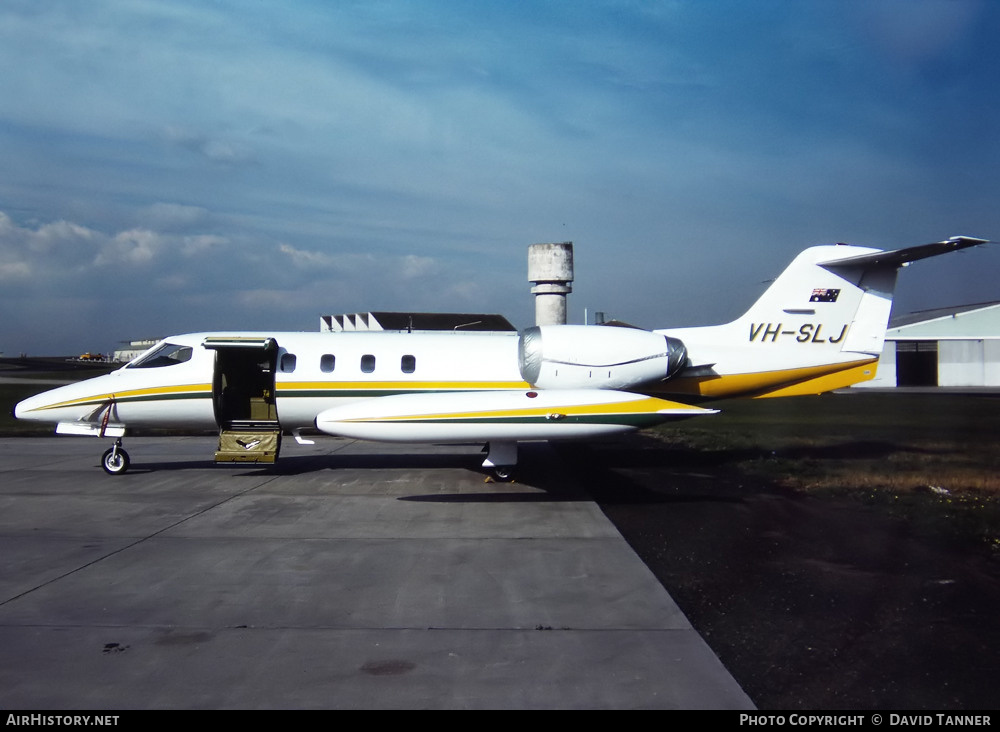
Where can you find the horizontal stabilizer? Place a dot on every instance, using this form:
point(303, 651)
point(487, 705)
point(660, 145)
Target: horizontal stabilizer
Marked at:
point(899, 257)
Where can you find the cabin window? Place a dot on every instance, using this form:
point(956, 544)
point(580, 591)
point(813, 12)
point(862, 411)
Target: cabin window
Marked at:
point(287, 363)
point(327, 362)
point(168, 354)
point(408, 364)
point(367, 363)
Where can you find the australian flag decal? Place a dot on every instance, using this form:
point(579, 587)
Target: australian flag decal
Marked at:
point(823, 294)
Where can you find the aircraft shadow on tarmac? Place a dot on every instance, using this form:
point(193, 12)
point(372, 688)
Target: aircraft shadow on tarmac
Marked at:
point(310, 464)
point(625, 456)
point(602, 472)
point(538, 470)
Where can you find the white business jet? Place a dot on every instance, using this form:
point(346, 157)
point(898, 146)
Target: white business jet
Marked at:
point(820, 326)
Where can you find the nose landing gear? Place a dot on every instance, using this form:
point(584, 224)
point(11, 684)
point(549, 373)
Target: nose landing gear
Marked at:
point(115, 460)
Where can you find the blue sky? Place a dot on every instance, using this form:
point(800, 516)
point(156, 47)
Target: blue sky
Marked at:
point(178, 166)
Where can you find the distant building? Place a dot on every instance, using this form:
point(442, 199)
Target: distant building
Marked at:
point(460, 322)
point(133, 349)
point(957, 346)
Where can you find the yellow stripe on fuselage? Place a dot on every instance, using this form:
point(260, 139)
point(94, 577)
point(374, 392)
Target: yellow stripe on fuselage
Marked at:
point(783, 382)
point(650, 405)
point(134, 395)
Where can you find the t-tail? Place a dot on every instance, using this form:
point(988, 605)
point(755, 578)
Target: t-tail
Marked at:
point(820, 326)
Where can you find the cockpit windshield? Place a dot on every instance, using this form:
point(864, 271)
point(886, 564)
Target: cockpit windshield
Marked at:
point(166, 354)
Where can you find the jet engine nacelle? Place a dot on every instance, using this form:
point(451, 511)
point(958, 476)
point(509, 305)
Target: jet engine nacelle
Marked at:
point(597, 357)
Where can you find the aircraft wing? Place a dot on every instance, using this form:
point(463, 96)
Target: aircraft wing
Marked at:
point(541, 414)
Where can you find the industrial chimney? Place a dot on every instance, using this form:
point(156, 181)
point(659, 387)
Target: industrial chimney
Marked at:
point(550, 267)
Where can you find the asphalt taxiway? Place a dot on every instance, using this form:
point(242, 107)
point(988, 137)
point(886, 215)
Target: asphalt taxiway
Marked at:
point(352, 576)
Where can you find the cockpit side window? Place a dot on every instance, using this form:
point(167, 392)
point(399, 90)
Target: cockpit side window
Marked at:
point(167, 354)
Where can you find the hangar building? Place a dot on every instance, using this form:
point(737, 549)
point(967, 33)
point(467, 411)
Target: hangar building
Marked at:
point(459, 322)
point(956, 346)
point(126, 353)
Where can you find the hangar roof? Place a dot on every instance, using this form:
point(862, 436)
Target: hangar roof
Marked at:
point(980, 320)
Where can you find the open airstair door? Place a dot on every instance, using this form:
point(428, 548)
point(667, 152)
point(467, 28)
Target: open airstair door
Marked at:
point(244, 400)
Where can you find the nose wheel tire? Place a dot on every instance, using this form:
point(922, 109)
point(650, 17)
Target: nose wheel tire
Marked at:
point(115, 461)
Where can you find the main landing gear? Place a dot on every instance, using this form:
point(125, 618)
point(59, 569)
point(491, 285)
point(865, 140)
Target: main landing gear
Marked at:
point(115, 460)
point(501, 459)
point(503, 474)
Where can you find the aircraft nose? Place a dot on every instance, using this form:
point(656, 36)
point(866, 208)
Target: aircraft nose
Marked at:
point(21, 408)
point(29, 408)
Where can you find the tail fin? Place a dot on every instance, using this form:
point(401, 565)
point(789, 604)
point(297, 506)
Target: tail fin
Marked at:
point(822, 322)
point(837, 297)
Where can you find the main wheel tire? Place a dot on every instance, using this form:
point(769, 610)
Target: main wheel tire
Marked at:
point(504, 474)
point(115, 463)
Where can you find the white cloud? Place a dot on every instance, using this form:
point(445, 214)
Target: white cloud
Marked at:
point(196, 244)
point(169, 216)
point(413, 266)
point(13, 270)
point(265, 298)
point(137, 246)
point(306, 259)
point(58, 247)
point(223, 150)
point(76, 256)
